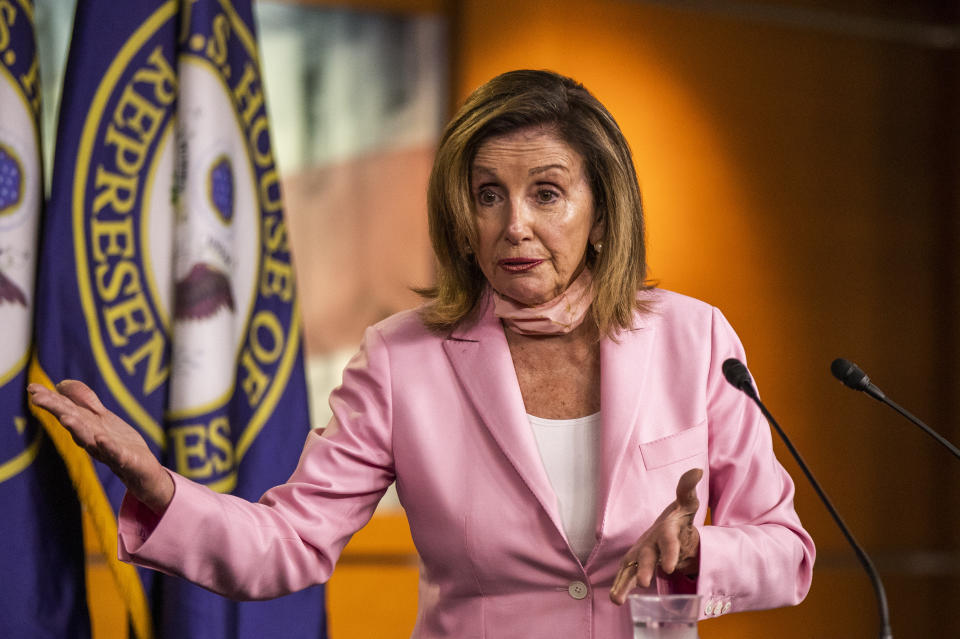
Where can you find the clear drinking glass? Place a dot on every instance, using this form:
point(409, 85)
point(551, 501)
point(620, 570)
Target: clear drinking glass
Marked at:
point(664, 616)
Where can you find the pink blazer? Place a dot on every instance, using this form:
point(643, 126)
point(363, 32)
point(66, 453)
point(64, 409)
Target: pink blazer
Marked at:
point(443, 416)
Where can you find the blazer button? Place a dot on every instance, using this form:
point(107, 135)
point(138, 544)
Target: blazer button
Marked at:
point(577, 589)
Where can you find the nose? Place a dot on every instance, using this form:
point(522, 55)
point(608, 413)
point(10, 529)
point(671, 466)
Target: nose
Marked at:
point(518, 227)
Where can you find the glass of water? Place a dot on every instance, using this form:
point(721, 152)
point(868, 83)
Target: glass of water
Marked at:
point(664, 616)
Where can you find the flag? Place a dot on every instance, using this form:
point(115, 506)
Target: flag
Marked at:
point(166, 281)
point(42, 593)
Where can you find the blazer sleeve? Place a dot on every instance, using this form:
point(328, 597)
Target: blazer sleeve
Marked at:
point(755, 554)
point(293, 536)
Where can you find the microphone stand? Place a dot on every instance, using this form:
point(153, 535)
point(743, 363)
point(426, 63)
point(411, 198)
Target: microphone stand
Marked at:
point(853, 377)
point(742, 383)
point(929, 431)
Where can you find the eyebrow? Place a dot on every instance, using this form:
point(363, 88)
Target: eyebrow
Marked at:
point(535, 170)
point(544, 169)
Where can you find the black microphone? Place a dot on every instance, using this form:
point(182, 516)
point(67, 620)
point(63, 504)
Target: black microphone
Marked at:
point(851, 375)
point(739, 377)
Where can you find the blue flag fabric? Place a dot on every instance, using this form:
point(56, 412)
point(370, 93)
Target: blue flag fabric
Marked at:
point(42, 592)
point(166, 281)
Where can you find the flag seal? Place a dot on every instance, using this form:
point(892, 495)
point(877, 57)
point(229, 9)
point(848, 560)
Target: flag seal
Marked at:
point(179, 239)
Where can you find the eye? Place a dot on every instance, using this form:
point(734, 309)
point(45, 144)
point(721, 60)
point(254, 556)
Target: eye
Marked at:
point(486, 197)
point(547, 196)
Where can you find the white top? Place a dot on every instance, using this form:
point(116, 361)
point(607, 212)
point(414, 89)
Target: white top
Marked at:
point(568, 448)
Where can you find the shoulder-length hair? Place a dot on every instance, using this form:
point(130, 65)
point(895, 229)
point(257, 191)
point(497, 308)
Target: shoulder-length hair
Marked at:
point(509, 102)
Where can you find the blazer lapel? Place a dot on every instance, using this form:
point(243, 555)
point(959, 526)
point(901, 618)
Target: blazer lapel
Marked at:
point(481, 358)
point(624, 368)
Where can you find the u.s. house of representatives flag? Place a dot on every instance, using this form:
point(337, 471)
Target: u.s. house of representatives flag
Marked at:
point(42, 590)
point(166, 280)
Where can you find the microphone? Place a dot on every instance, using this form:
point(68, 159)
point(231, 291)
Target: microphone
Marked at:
point(851, 375)
point(738, 376)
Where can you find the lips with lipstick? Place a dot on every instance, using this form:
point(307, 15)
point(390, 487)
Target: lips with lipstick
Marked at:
point(519, 264)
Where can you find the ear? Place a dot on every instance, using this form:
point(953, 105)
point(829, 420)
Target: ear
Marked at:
point(599, 228)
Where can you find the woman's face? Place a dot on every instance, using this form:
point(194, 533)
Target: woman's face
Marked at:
point(534, 212)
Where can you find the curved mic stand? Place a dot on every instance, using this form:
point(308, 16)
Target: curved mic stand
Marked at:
point(738, 376)
point(929, 431)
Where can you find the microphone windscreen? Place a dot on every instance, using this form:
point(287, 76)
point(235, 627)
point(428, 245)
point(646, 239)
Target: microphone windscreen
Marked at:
point(736, 373)
point(849, 373)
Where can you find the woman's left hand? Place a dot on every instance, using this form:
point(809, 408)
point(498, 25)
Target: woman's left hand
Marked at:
point(671, 543)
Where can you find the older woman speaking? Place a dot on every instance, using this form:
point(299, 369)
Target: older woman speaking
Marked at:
point(556, 427)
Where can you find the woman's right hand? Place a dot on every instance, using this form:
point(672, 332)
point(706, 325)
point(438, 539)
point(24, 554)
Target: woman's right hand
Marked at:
point(108, 439)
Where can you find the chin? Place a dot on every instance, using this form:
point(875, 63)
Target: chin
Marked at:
point(528, 298)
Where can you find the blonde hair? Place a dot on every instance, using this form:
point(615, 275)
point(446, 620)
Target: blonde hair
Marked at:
point(507, 103)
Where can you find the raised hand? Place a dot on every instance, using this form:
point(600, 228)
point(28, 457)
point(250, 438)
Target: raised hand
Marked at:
point(108, 439)
point(671, 543)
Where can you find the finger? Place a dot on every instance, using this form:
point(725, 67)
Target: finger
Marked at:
point(80, 430)
point(647, 559)
point(623, 579)
point(669, 552)
point(687, 491)
point(50, 400)
point(34, 388)
point(65, 411)
point(81, 394)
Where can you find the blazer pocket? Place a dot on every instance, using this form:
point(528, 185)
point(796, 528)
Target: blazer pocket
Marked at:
point(687, 443)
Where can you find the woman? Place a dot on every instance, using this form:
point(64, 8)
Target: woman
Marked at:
point(556, 428)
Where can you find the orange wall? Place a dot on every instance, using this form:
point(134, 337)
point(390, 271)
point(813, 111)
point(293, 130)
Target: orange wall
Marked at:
point(373, 592)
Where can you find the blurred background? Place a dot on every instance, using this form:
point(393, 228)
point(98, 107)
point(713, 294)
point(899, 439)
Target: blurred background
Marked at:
point(800, 164)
